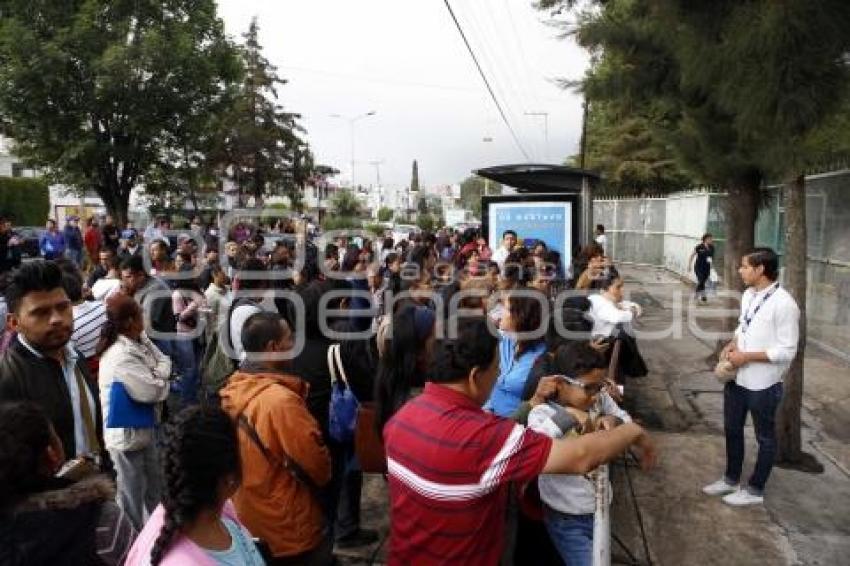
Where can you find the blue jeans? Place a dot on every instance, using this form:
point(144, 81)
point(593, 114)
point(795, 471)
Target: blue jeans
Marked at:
point(185, 358)
point(737, 402)
point(572, 536)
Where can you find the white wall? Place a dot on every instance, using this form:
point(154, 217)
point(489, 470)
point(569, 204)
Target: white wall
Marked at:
point(685, 223)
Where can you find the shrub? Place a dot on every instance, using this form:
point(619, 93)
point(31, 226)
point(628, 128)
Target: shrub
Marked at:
point(25, 200)
point(385, 214)
point(375, 228)
point(340, 223)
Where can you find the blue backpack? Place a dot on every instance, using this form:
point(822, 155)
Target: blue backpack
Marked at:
point(344, 405)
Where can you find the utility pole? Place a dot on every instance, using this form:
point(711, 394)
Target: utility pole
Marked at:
point(545, 116)
point(377, 165)
point(351, 121)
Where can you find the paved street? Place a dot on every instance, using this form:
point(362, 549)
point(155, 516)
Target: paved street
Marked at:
point(805, 519)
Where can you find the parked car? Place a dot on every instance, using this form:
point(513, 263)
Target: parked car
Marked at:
point(29, 236)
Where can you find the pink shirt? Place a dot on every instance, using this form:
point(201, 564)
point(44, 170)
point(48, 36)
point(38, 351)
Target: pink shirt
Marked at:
point(182, 551)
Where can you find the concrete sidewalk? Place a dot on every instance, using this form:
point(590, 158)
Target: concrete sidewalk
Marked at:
point(806, 517)
point(663, 514)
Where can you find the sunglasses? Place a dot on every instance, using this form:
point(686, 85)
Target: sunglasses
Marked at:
point(589, 388)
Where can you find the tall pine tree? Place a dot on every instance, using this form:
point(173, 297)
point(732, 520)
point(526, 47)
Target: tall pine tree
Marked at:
point(260, 146)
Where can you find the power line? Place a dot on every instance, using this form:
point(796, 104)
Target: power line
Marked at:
point(486, 82)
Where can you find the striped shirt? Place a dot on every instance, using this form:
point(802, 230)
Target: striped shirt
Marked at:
point(89, 318)
point(449, 467)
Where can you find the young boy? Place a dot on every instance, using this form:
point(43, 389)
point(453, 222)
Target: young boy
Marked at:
point(578, 404)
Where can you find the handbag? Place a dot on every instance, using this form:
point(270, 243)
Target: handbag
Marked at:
point(126, 412)
point(344, 405)
point(368, 445)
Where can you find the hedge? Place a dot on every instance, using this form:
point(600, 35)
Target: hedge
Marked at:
point(26, 201)
point(341, 223)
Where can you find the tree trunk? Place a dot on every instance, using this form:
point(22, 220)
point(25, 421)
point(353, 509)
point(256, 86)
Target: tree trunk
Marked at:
point(116, 204)
point(788, 425)
point(741, 212)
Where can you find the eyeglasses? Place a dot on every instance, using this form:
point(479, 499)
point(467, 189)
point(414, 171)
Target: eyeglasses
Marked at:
point(589, 388)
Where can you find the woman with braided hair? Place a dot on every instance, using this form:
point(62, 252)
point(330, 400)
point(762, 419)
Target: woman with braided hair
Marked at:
point(196, 524)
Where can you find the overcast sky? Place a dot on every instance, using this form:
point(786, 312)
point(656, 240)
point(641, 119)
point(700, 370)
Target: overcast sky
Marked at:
point(405, 60)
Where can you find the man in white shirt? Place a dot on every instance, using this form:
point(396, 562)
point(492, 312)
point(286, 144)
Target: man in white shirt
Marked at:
point(509, 240)
point(765, 343)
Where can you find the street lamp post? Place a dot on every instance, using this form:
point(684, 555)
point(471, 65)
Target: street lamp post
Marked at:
point(487, 139)
point(351, 121)
point(545, 116)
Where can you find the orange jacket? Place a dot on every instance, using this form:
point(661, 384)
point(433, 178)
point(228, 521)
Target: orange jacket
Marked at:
point(270, 502)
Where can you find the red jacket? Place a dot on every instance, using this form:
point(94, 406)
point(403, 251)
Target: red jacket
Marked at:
point(92, 240)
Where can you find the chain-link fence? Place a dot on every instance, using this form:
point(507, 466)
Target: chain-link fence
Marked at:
point(663, 231)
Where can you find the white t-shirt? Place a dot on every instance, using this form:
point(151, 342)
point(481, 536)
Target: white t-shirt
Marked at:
point(237, 320)
point(500, 256)
point(104, 287)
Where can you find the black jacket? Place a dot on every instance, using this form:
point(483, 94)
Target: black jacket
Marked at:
point(10, 256)
point(26, 377)
point(66, 524)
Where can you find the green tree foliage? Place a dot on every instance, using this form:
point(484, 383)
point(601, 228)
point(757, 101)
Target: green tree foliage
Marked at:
point(97, 92)
point(426, 222)
point(385, 214)
point(259, 145)
point(628, 149)
point(471, 191)
point(25, 200)
point(738, 91)
point(345, 204)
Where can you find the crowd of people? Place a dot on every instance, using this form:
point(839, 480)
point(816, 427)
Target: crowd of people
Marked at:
point(177, 406)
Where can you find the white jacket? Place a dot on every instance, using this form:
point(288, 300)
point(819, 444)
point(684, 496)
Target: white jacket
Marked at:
point(606, 315)
point(144, 370)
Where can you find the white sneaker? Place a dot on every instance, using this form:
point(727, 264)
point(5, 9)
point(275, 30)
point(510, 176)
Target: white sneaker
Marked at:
point(743, 497)
point(720, 487)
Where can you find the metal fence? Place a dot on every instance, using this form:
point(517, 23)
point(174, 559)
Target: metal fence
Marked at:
point(662, 231)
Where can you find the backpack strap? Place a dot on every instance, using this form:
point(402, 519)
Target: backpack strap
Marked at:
point(332, 363)
point(335, 366)
point(286, 462)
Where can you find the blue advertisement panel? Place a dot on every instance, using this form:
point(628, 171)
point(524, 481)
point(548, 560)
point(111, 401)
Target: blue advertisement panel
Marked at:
point(549, 222)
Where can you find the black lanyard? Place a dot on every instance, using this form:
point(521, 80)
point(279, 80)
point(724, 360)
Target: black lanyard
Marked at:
point(749, 319)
